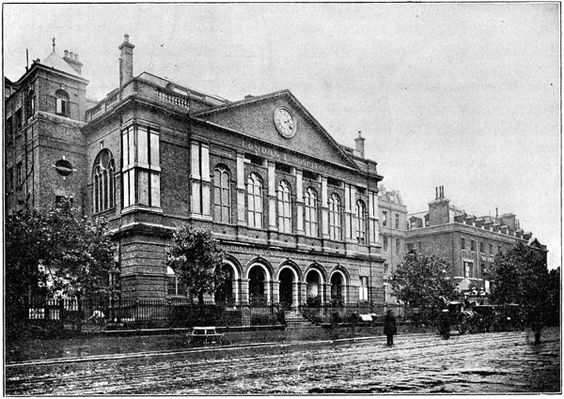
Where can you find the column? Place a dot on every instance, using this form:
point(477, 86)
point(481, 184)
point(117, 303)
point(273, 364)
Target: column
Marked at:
point(196, 194)
point(206, 181)
point(326, 287)
point(241, 192)
point(245, 291)
point(271, 196)
point(299, 203)
point(324, 209)
point(275, 291)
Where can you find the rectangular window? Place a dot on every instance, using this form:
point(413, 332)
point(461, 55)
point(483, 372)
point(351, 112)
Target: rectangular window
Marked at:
point(462, 243)
point(141, 166)
point(385, 243)
point(491, 249)
point(472, 245)
point(499, 249)
point(363, 290)
point(468, 269)
point(384, 218)
point(482, 247)
point(397, 221)
point(398, 245)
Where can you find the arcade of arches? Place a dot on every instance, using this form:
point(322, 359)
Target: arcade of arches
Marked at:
point(286, 284)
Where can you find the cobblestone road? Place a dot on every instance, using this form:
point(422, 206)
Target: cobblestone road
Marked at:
point(422, 363)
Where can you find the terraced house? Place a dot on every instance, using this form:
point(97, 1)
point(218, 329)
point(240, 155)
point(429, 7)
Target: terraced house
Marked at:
point(296, 212)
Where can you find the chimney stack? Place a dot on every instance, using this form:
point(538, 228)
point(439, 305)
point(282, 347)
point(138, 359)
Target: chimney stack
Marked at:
point(72, 59)
point(126, 60)
point(359, 144)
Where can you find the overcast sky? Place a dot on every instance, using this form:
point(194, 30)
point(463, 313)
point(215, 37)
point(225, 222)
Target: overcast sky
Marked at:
point(461, 95)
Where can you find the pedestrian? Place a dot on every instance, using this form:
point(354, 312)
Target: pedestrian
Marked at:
point(390, 328)
point(444, 324)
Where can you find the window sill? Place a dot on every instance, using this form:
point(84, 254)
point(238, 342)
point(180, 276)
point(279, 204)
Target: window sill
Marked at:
point(146, 208)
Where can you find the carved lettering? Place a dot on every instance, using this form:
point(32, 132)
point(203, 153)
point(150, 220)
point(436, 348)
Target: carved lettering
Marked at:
point(290, 159)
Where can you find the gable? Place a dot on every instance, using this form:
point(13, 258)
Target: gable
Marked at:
point(256, 117)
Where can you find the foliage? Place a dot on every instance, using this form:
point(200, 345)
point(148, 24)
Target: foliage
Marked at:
point(521, 276)
point(421, 280)
point(56, 251)
point(196, 258)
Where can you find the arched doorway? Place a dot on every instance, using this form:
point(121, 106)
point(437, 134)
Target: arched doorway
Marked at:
point(314, 291)
point(257, 285)
point(225, 291)
point(338, 288)
point(287, 288)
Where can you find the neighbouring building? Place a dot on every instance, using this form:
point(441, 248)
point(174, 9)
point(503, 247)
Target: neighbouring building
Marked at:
point(469, 242)
point(393, 225)
point(296, 212)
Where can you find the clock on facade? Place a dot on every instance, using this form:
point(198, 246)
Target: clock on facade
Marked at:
point(284, 122)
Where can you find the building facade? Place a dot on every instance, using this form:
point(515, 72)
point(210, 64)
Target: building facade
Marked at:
point(393, 226)
point(469, 242)
point(296, 212)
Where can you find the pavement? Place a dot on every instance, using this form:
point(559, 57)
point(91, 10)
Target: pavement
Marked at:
point(419, 363)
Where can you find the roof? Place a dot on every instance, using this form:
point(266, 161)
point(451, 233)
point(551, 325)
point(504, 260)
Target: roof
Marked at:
point(55, 61)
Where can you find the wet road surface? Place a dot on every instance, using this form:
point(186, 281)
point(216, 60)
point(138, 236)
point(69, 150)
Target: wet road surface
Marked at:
point(419, 363)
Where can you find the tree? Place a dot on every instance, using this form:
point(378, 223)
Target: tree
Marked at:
point(521, 276)
point(421, 280)
point(56, 251)
point(196, 258)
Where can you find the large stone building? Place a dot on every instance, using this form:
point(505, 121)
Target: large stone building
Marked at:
point(296, 212)
point(470, 243)
point(393, 225)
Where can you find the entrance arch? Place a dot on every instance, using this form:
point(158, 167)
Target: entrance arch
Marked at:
point(287, 290)
point(338, 287)
point(228, 292)
point(259, 281)
point(314, 284)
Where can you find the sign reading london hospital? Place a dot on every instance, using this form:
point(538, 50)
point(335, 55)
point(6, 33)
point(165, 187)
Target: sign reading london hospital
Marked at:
point(290, 159)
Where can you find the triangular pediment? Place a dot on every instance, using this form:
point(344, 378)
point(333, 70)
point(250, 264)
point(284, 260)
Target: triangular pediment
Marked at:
point(281, 120)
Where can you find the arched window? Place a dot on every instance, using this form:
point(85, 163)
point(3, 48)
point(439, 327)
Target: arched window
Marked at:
point(360, 221)
point(62, 102)
point(334, 217)
point(103, 182)
point(221, 195)
point(310, 204)
point(254, 201)
point(284, 207)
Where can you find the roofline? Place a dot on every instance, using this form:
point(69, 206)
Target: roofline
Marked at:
point(279, 93)
point(39, 65)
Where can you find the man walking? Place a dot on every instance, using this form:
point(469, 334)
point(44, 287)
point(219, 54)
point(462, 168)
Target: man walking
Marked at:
point(390, 328)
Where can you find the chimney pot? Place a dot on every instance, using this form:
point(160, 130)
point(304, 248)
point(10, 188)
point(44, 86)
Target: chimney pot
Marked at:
point(126, 38)
point(76, 56)
point(66, 53)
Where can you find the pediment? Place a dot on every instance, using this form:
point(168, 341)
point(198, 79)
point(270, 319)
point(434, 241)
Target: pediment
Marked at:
point(255, 117)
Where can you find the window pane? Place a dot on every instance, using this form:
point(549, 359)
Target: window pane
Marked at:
point(125, 179)
point(156, 190)
point(132, 187)
point(143, 188)
point(131, 146)
point(155, 149)
point(142, 145)
point(125, 148)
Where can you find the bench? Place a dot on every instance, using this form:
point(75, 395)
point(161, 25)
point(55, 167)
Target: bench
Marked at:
point(205, 336)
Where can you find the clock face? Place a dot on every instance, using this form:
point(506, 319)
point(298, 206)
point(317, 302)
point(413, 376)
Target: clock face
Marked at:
point(284, 122)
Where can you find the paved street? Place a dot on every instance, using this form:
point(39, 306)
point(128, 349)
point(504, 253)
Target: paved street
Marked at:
point(422, 363)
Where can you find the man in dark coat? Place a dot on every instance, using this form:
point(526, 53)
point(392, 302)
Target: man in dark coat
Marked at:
point(444, 324)
point(390, 328)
